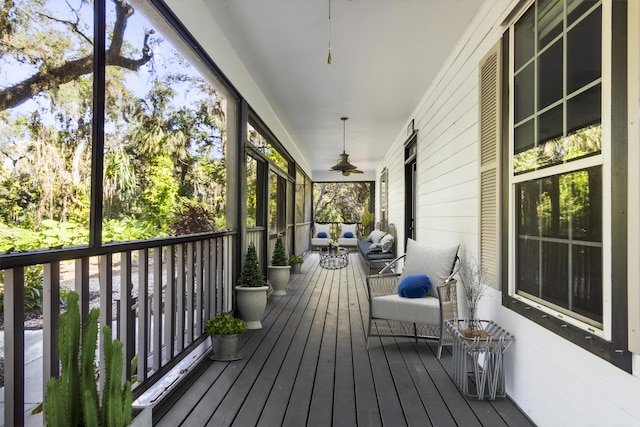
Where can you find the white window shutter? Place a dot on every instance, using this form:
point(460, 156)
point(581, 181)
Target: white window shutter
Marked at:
point(490, 128)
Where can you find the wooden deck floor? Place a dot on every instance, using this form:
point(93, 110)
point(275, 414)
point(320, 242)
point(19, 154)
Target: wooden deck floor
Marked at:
point(308, 366)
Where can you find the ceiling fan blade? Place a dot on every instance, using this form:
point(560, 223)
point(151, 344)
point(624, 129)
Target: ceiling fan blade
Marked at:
point(356, 171)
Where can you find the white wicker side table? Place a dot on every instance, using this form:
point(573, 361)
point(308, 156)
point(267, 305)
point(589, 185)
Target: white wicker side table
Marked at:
point(479, 358)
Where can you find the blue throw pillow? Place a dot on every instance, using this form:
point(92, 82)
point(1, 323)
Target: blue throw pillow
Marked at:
point(322, 235)
point(348, 235)
point(375, 247)
point(415, 286)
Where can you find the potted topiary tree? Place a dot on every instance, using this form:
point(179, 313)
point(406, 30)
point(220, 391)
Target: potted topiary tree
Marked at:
point(279, 270)
point(251, 292)
point(225, 333)
point(296, 263)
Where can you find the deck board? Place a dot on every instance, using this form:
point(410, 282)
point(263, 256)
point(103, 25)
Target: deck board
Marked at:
point(309, 366)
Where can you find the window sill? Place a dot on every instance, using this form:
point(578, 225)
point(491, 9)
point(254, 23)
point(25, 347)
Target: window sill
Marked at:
point(614, 353)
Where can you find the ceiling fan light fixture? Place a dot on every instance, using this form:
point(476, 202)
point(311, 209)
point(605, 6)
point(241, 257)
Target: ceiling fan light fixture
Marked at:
point(343, 164)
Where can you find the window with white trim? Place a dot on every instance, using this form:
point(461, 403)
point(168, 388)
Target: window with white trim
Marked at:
point(557, 158)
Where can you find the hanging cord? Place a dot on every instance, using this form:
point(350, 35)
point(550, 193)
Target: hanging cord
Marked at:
point(329, 25)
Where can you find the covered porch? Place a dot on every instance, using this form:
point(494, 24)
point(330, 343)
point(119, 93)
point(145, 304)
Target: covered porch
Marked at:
point(309, 365)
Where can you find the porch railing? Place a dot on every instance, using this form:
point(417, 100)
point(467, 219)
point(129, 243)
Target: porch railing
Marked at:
point(156, 295)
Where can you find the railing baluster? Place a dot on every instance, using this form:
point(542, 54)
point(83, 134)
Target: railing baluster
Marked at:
point(220, 306)
point(199, 267)
point(143, 308)
point(206, 275)
point(157, 309)
point(127, 320)
point(50, 315)
point(170, 304)
point(180, 294)
point(14, 347)
point(82, 287)
point(226, 272)
point(190, 284)
point(106, 310)
point(213, 284)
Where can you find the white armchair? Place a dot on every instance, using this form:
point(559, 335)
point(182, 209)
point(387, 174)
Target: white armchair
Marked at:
point(321, 235)
point(348, 235)
point(420, 316)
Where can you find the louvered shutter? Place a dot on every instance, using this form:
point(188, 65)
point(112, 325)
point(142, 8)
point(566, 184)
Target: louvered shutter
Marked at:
point(489, 180)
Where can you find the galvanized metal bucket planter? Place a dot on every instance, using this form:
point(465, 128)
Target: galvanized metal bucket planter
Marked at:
point(226, 348)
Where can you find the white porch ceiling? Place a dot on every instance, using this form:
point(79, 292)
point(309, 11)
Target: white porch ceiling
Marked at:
point(385, 55)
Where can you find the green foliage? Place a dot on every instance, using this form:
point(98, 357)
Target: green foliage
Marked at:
point(295, 259)
point(129, 229)
point(72, 399)
point(49, 234)
point(225, 324)
point(192, 218)
point(251, 275)
point(33, 278)
point(162, 194)
point(340, 202)
point(279, 256)
point(367, 222)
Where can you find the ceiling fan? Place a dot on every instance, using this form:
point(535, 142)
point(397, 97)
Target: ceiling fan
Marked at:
point(343, 164)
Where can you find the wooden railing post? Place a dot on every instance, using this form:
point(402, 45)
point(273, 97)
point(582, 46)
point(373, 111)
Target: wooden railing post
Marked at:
point(14, 347)
point(50, 315)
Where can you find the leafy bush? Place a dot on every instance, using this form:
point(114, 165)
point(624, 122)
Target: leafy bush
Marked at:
point(295, 259)
point(125, 229)
point(225, 324)
point(49, 234)
point(192, 218)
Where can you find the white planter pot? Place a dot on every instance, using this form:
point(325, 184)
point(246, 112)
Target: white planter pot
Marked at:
point(251, 304)
point(279, 277)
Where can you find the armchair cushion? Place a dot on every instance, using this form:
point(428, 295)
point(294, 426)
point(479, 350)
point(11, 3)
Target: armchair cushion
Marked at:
point(435, 262)
point(414, 310)
point(414, 286)
point(322, 235)
point(322, 228)
point(350, 229)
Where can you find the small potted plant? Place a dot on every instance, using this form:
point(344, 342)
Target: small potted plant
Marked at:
point(296, 263)
point(225, 331)
point(251, 292)
point(279, 270)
